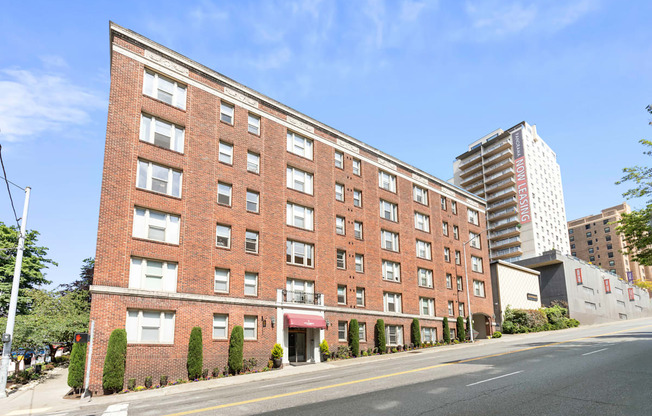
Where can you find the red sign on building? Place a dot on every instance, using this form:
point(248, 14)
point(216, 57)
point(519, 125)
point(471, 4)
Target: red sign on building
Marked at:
point(578, 276)
point(522, 191)
point(607, 286)
point(631, 293)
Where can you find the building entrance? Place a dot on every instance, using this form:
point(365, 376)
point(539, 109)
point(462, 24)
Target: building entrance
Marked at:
point(297, 345)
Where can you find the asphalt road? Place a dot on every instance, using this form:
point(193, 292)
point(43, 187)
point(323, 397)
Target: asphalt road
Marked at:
point(600, 370)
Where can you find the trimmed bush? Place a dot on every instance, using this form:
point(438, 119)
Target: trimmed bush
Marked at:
point(323, 347)
point(416, 332)
point(131, 384)
point(468, 326)
point(497, 334)
point(236, 345)
point(277, 351)
point(447, 331)
point(114, 363)
point(354, 337)
point(163, 381)
point(461, 333)
point(380, 336)
point(77, 366)
point(195, 362)
point(148, 382)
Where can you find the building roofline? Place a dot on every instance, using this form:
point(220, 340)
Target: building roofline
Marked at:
point(502, 135)
point(514, 266)
point(583, 219)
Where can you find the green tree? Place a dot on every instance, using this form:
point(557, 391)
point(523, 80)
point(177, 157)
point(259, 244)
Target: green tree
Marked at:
point(113, 375)
point(461, 333)
point(354, 337)
point(416, 332)
point(77, 366)
point(236, 345)
point(35, 261)
point(447, 332)
point(85, 280)
point(195, 354)
point(380, 336)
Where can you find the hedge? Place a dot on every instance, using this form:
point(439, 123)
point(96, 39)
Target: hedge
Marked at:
point(380, 336)
point(114, 363)
point(354, 337)
point(461, 333)
point(416, 332)
point(77, 366)
point(447, 331)
point(195, 363)
point(236, 345)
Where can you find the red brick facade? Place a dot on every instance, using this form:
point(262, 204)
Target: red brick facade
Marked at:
point(195, 300)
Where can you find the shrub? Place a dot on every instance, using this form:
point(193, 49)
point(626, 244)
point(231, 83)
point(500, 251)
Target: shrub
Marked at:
point(573, 323)
point(461, 333)
point(114, 362)
point(497, 334)
point(195, 362)
point(131, 384)
point(416, 332)
point(370, 351)
point(216, 372)
point(354, 337)
point(447, 332)
point(236, 346)
point(77, 366)
point(277, 351)
point(148, 382)
point(456, 341)
point(163, 381)
point(468, 326)
point(204, 373)
point(343, 351)
point(380, 336)
point(323, 347)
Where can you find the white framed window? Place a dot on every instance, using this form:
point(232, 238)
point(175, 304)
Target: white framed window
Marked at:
point(341, 259)
point(224, 191)
point(298, 253)
point(451, 308)
point(449, 281)
point(478, 288)
point(391, 271)
point(472, 216)
point(444, 228)
point(253, 201)
point(460, 309)
point(220, 326)
point(420, 194)
point(454, 207)
point(388, 210)
point(251, 284)
point(160, 179)
point(155, 225)
point(362, 331)
point(150, 327)
point(299, 180)
point(341, 295)
point(253, 162)
point(357, 230)
point(424, 277)
point(458, 257)
point(165, 89)
point(339, 192)
point(456, 232)
point(342, 330)
point(447, 254)
point(476, 264)
point(340, 225)
point(392, 302)
point(421, 222)
point(226, 153)
point(475, 239)
point(253, 124)
point(359, 296)
point(299, 145)
point(427, 306)
point(388, 240)
point(250, 327)
point(394, 335)
point(443, 203)
point(359, 263)
point(153, 275)
point(357, 198)
point(357, 169)
point(300, 216)
point(424, 250)
point(161, 133)
point(223, 236)
point(387, 181)
point(339, 160)
point(300, 291)
point(222, 280)
point(460, 285)
point(428, 334)
point(226, 112)
point(251, 241)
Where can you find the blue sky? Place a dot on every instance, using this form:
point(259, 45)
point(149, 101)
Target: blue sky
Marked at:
point(419, 80)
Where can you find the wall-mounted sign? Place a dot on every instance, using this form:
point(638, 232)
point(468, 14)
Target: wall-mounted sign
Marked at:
point(532, 296)
point(631, 293)
point(607, 286)
point(630, 277)
point(578, 276)
point(522, 191)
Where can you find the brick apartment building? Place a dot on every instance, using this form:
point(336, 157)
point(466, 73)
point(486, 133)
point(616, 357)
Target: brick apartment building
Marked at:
point(223, 207)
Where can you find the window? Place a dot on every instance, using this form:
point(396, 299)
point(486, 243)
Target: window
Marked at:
point(394, 334)
point(253, 199)
point(150, 327)
point(427, 306)
point(607, 229)
point(342, 328)
point(340, 225)
point(251, 284)
point(456, 232)
point(341, 295)
point(476, 264)
point(591, 250)
point(607, 238)
point(226, 112)
point(610, 254)
point(359, 296)
point(299, 145)
point(253, 162)
point(157, 178)
point(573, 247)
point(443, 203)
point(339, 192)
point(428, 334)
point(362, 331)
point(454, 207)
point(587, 226)
point(421, 222)
point(359, 263)
point(478, 288)
point(391, 271)
point(572, 238)
point(357, 230)
point(300, 291)
point(388, 240)
point(571, 231)
point(251, 241)
point(392, 302)
point(339, 160)
point(299, 180)
point(341, 259)
point(164, 89)
point(458, 257)
point(447, 254)
point(449, 281)
point(460, 285)
point(423, 250)
point(420, 195)
point(387, 181)
point(588, 234)
point(451, 308)
point(161, 133)
point(155, 225)
point(605, 222)
point(299, 216)
point(250, 327)
point(472, 216)
point(444, 228)
point(388, 210)
point(357, 198)
point(589, 242)
point(610, 247)
point(253, 124)
point(153, 275)
point(226, 153)
point(357, 170)
point(424, 277)
point(220, 326)
point(298, 253)
point(224, 193)
point(460, 309)
point(223, 238)
point(222, 280)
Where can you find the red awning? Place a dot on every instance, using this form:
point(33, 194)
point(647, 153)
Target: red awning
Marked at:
point(295, 320)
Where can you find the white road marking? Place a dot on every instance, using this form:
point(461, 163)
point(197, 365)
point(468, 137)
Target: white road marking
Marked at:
point(593, 352)
point(301, 381)
point(28, 411)
point(387, 405)
point(493, 378)
point(119, 409)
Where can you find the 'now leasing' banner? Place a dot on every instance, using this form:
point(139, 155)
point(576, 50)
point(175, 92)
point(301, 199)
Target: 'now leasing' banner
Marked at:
point(522, 191)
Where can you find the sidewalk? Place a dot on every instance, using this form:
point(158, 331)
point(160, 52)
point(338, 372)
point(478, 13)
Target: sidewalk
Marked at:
point(46, 396)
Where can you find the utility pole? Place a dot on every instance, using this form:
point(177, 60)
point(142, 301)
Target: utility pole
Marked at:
point(13, 304)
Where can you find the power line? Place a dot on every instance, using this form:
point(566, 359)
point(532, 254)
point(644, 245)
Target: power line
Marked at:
point(11, 199)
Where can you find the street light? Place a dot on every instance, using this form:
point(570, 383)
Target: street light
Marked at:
point(466, 277)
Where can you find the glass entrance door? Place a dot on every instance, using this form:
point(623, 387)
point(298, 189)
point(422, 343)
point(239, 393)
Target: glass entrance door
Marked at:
point(297, 346)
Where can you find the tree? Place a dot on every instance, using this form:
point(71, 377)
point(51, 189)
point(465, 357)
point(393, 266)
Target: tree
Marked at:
point(416, 332)
point(77, 366)
point(113, 375)
point(354, 337)
point(468, 325)
point(31, 274)
point(195, 354)
point(83, 284)
point(461, 333)
point(380, 336)
point(447, 332)
point(236, 346)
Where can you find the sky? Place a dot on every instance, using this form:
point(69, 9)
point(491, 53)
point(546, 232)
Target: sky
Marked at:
point(419, 80)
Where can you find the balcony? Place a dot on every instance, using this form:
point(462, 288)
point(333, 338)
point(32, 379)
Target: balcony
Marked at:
point(507, 153)
point(501, 184)
point(507, 252)
point(506, 242)
point(476, 186)
point(502, 213)
point(505, 173)
point(471, 169)
point(491, 169)
point(470, 179)
point(300, 297)
point(501, 194)
point(464, 164)
point(507, 232)
point(502, 202)
point(500, 223)
point(504, 144)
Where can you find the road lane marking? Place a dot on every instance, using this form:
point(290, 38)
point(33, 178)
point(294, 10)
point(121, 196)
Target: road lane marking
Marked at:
point(494, 378)
point(119, 409)
point(593, 352)
point(297, 381)
point(28, 411)
point(415, 370)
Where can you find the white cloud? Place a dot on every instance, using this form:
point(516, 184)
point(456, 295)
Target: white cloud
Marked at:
point(572, 12)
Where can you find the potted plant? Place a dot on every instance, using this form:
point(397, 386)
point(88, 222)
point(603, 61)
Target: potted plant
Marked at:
point(277, 355)
point(325, 352)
